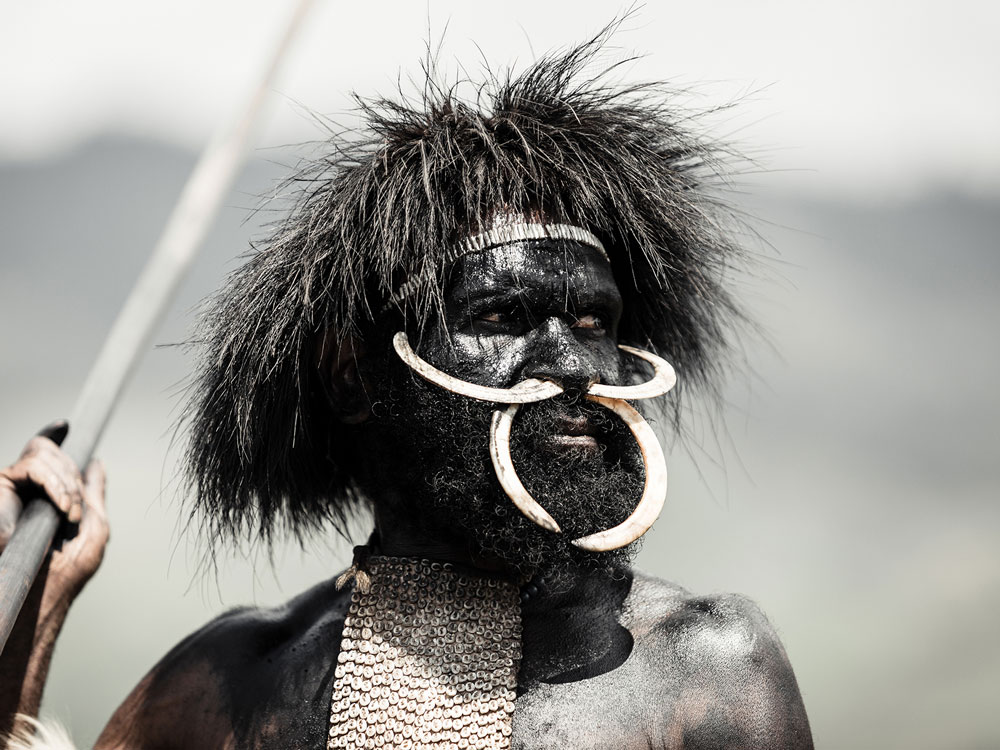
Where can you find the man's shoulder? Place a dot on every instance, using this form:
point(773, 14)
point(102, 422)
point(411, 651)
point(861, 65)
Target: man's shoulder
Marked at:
point(721, 669)
point(703, 671)
point(240, 668)
point(699, 627)
point(245, 634)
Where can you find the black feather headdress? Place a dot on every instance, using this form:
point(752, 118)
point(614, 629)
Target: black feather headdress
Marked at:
point(386, 205)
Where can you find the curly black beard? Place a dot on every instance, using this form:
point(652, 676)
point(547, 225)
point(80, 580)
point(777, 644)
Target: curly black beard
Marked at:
point(432, 450)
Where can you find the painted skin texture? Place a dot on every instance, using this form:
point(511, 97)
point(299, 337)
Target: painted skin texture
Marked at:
point(692, 672)
point(611, 661)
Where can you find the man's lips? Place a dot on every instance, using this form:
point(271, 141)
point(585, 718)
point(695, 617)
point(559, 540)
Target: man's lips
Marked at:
point(573, 432)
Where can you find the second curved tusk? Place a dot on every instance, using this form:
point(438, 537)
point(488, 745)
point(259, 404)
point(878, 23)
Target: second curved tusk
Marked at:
point(664, 378)
point(526, 392)
point(503, 465)
point(654, 491)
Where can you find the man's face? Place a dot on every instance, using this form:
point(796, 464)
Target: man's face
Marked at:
point(538, 309)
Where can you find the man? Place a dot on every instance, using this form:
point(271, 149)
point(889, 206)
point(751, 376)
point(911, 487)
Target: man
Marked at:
point(451, 329)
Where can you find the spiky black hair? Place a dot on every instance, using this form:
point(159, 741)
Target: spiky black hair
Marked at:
point(386, 205)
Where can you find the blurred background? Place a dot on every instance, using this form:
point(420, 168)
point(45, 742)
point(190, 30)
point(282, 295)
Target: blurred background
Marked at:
point(851, 483)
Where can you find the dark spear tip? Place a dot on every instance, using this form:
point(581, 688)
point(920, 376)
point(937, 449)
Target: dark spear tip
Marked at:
point(55, 431)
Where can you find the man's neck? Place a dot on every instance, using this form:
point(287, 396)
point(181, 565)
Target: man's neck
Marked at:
point(570, 615)
point(397, 536)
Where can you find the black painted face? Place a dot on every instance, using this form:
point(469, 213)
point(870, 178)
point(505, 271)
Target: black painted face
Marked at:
point(536, 309)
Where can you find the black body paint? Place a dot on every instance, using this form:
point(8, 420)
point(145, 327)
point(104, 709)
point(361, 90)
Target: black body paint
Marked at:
point(682, 672)
point(611, 659)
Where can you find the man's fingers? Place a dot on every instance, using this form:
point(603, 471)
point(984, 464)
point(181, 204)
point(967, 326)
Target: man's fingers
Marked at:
point(70, 476)
point(94, 531)
point(62, 466)
point(55, 431)
point(94, 482)
point(43, 464)
point(94, 526)
point(10, 510)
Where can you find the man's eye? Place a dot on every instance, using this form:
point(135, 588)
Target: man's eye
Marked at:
point(494, 321)
point(590, 322)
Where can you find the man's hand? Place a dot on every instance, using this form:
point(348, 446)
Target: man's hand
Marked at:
point(43, 469)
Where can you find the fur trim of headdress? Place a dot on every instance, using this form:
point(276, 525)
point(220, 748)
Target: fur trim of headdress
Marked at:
point(387, 204)
point(32, 734)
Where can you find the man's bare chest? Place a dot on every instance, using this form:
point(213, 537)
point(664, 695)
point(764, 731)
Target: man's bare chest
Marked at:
point(620, 709)
point(612, 697)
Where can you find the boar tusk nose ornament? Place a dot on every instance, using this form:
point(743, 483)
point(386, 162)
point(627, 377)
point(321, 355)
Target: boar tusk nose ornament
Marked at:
point(526, 392)
point(531, 390)
point(664, 378)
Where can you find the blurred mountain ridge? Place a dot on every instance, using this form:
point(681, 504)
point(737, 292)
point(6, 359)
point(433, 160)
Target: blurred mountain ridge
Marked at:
point(865, 521)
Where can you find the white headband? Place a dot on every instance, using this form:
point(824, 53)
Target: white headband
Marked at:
point(502, 233)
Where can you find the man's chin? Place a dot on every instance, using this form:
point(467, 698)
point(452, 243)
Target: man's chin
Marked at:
point(572, 483)
point(498, 532)
point(533, 551)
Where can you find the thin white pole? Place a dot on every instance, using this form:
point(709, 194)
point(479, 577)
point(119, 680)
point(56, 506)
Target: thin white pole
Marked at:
point(199, 202)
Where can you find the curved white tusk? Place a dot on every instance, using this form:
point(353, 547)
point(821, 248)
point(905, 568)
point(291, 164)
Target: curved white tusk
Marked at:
point(654, 492)
point(664, 378)
point(504, 467)
point(525, 392)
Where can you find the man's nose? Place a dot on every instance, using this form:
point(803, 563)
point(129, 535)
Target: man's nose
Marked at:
point(554, 353)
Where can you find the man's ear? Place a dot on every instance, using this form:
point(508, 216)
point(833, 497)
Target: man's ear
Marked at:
point(339, 360)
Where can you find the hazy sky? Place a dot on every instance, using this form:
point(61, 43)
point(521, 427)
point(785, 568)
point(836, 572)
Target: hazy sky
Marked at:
point(878, 97)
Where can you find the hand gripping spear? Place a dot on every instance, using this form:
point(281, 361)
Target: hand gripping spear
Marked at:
point(190, 221)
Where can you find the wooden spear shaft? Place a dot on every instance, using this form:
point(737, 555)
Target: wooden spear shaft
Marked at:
point(186, 228)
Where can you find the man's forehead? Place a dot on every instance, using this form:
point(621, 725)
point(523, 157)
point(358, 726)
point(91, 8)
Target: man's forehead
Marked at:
point(532, 264)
